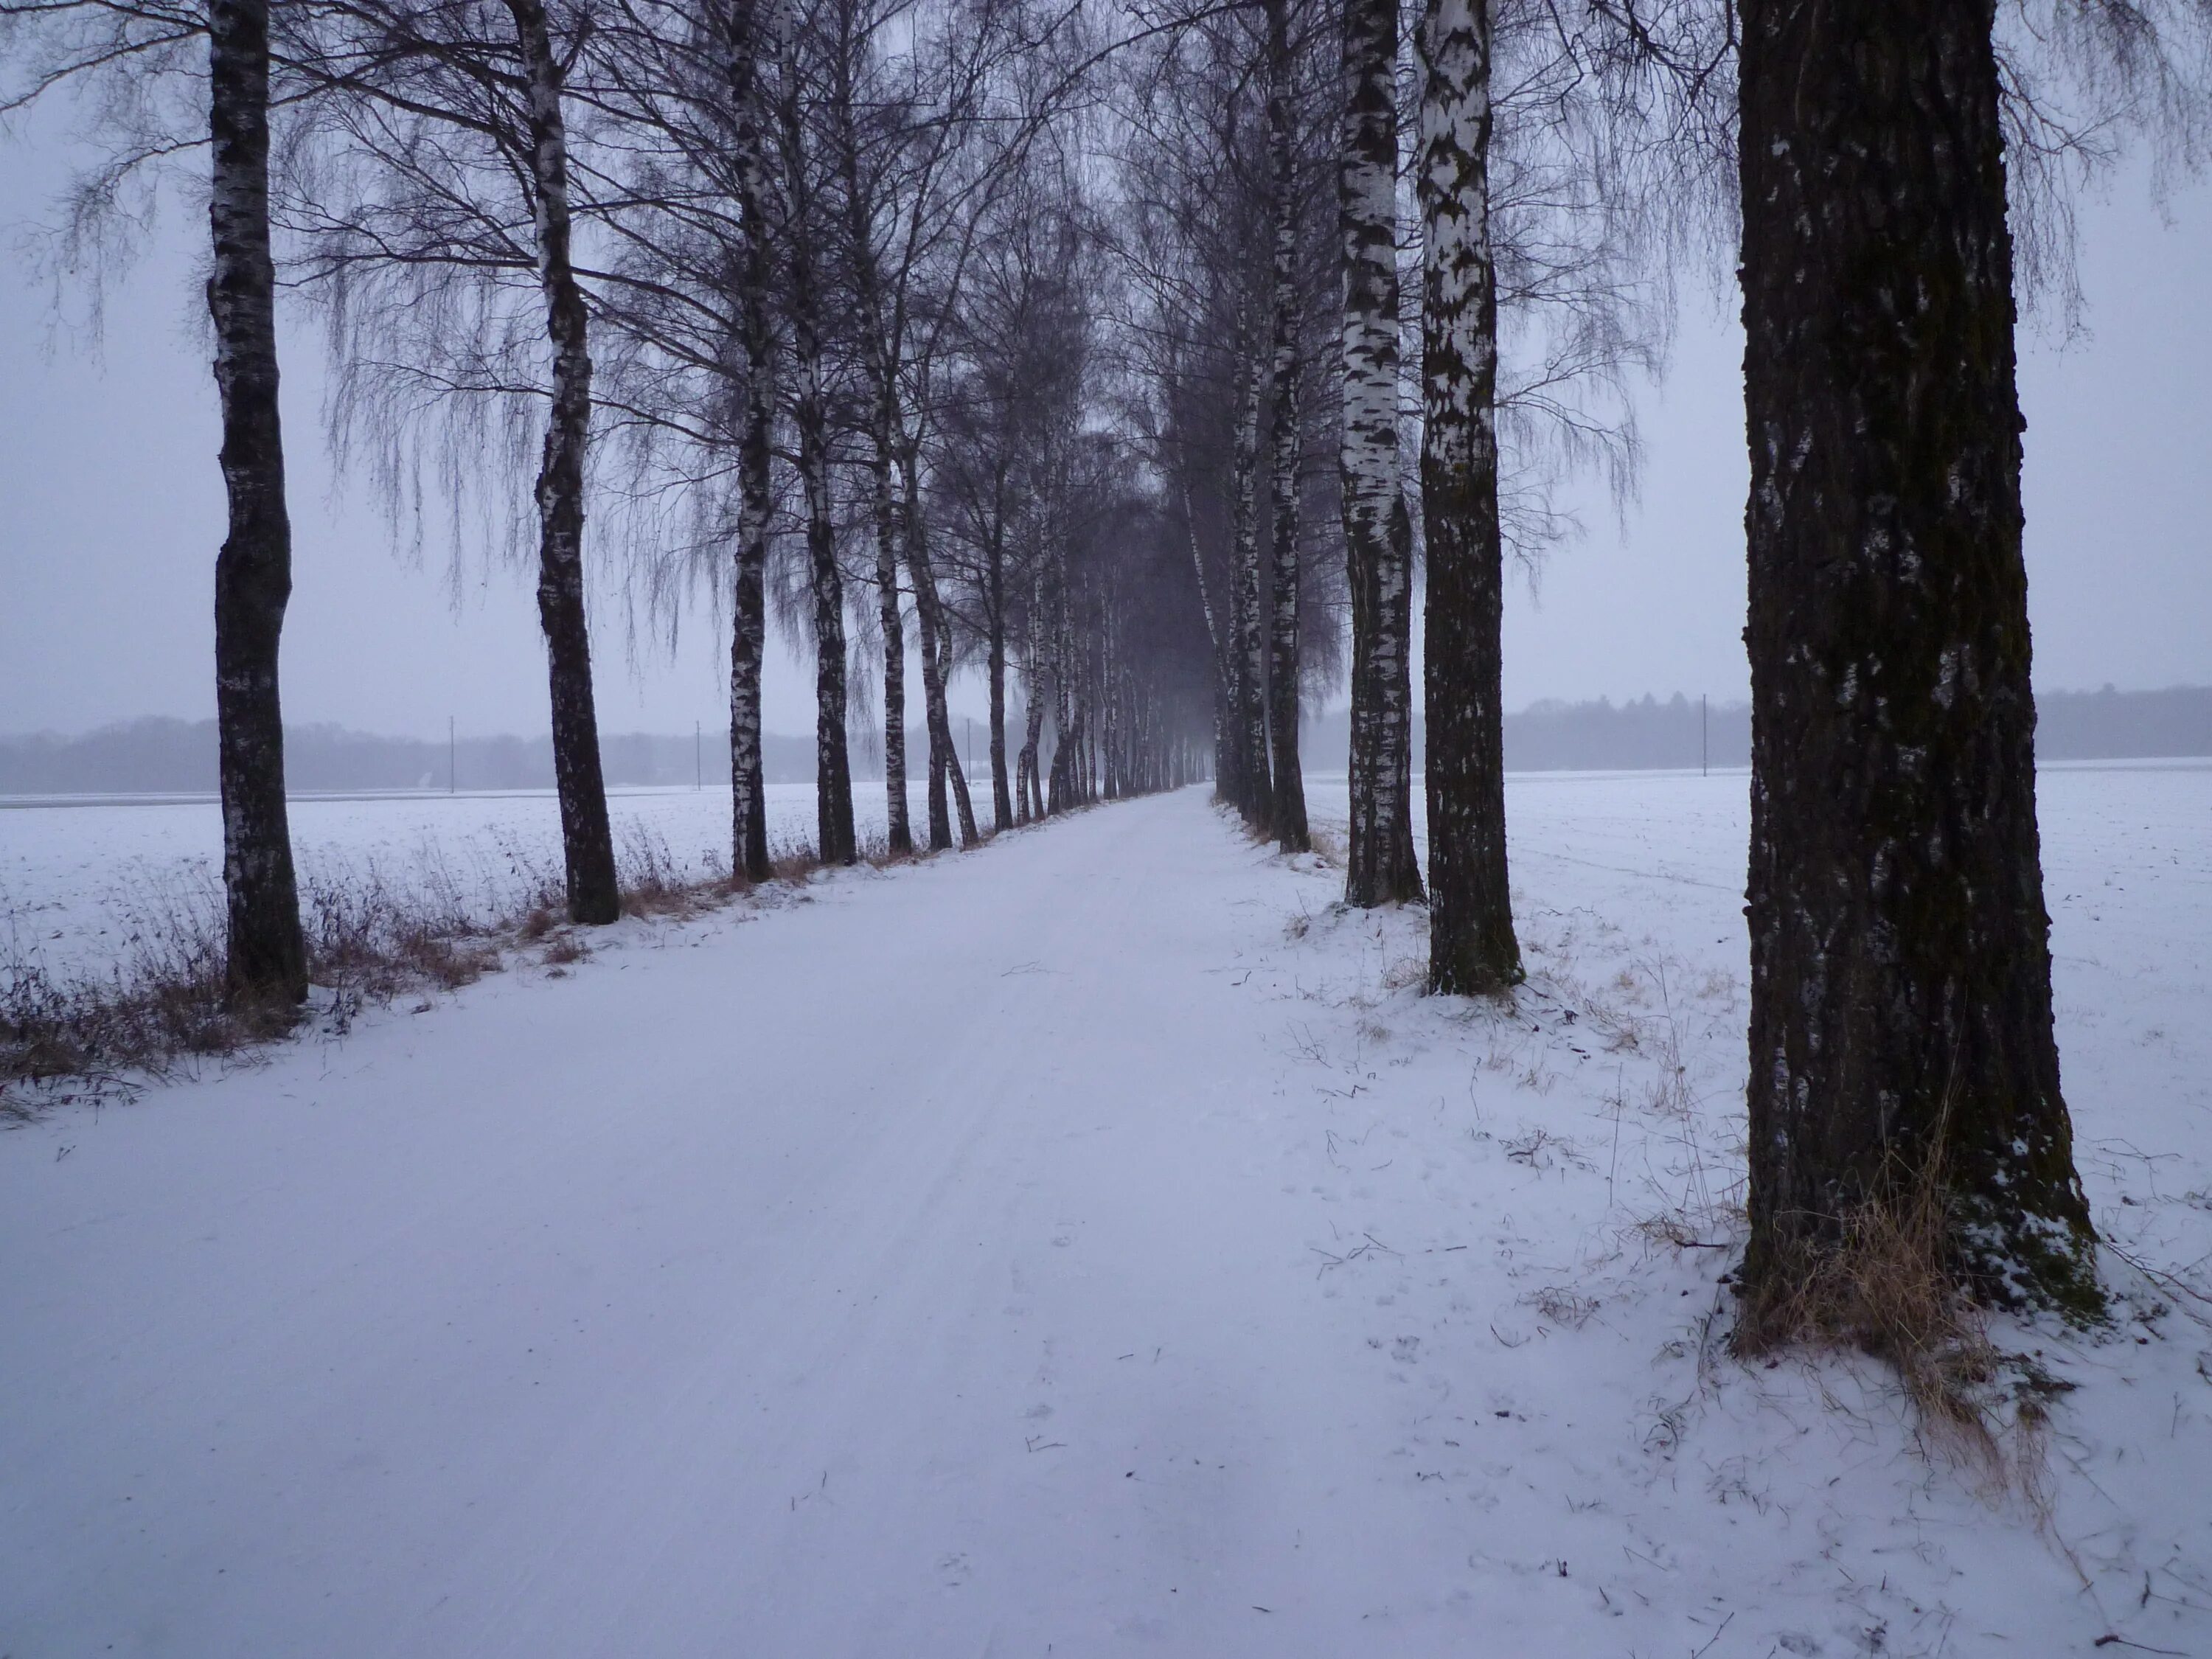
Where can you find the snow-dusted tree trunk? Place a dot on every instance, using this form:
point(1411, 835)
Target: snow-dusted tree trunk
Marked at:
point(1032, 794)
point(1288, 815)
point(749, 628)
point(1900, 964)
point(879, 336)
point(835, 839)
point(1223, 675)
point(994, 623)
point(1061, 794)
point(835, 842)
point(1472, 948)
point(747, 22)
point(266, 956)
point(1257, 800)
point(899, 834)
point(955, 771)
point(936, 662)
point(587, 841)
point(1378, 536)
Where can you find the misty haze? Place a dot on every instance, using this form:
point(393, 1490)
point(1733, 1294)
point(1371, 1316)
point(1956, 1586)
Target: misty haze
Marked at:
point(1308, 828)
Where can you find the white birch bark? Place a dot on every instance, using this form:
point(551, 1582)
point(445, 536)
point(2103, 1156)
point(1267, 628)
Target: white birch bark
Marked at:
point(749, 24)
point(1378, 531)
point(587, 841)
point(266, 956)
point(1472, 948)
point(1287, 814)
point(1256, 799)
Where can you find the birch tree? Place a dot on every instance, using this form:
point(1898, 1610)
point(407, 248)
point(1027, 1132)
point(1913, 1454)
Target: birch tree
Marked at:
point(1472, 948)
point(266, 955)
point(748, 26)
point(134, 63)
point(1380, 865)
point(586, 840)
point(430, 197)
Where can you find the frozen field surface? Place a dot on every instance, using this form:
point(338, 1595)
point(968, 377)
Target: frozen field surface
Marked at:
point(80, 880)
point(1092, 1244)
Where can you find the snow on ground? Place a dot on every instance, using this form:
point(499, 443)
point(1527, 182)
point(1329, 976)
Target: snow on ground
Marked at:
point(1092, 1244)
point(80, 878)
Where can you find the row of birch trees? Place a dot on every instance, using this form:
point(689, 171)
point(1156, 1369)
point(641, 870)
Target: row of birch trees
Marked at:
point(1151, 363)
point(797, 304)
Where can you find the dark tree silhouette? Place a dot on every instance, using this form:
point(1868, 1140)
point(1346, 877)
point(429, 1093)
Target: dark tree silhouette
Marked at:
point(267, 956)
point(1900, 1004)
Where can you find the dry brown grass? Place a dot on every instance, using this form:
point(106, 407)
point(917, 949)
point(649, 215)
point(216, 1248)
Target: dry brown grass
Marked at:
point(368, 942)
point(563, 949)
point(1883, 1286)
point(162, 1004)
point(1882, 1282)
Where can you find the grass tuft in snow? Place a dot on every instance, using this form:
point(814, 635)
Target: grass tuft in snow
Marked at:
point(1883, 1283)
point(371, 939)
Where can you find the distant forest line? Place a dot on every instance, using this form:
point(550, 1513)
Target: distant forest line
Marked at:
point(160, 756)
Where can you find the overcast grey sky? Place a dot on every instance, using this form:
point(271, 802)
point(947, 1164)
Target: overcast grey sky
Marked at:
point(111, 509)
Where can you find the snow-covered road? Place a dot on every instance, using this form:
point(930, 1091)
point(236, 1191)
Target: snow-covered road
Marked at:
point(1039, 1250)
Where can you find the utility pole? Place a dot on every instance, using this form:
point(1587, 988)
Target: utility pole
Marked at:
point(698, 764)
point(1704, 752)
point(452, 753)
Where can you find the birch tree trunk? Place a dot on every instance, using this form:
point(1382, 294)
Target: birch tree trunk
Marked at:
point(1258, 801)
point(1380, 867)
point(899, 834)
point(1033, 725)
point(1472, 948)
point(833, 770)
point(1223, 678)
point(955, 773)
point(587, 841)
point(1060, 794)
point(1900, 967)
point(994, 603)
point(1289, 805)
point(880, 358)
point(834, 841)
point(749, 629)
point(943, 761)
point(265, 957)
point(746, 24)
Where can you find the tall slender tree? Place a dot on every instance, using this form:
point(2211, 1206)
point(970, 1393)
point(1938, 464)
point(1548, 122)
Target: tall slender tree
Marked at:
point(586, 839)
point(1900, 991)
point(805, 227)
point(1249, 621)
point(136, 68)
point(1472, 948)
point(431, 208)
point(1380, 865)
point(1287, 808)
point(748, 27)
point(267, 956)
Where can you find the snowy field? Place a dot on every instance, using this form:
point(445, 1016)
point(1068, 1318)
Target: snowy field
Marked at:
point(1090, 1245)
point(79, 880)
